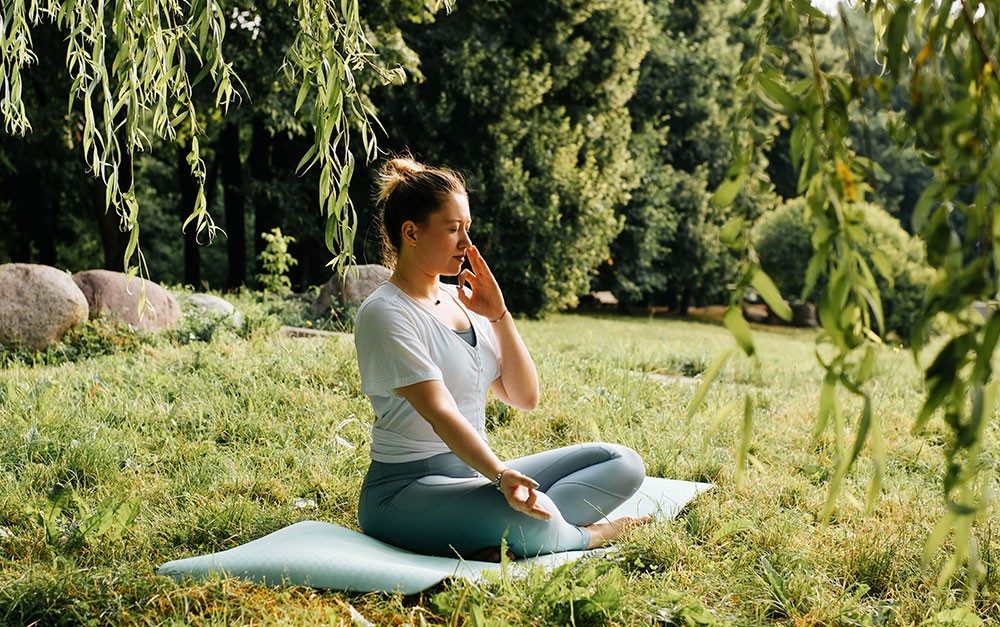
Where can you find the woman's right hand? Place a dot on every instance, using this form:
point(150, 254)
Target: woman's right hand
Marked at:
point(522, 494)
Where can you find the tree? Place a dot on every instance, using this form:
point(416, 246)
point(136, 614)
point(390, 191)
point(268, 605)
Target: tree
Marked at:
point(529, 100)
point(130, 78)
point(669, 251)
point(945, 55)
point(36, 214)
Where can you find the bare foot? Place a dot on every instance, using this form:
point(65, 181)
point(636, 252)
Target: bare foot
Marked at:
point(603, 534)
point(489, 554)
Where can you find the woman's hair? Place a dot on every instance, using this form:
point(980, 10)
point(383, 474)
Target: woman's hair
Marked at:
point(408, 190)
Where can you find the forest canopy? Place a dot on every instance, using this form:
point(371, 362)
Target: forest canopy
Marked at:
point(592, 134)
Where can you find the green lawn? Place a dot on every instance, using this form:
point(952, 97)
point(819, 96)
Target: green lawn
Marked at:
point(169, 449)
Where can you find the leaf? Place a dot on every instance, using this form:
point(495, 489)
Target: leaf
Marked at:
point(307, 160)
point(724, 412)
point(777, 585)
point(797, 139)
point(769, 292)
point(827, 402)
point(746, 438)
point(896, 38)
point(301, 97)
point(882, 264)
point(727, 191)
point(731, 528)
point(732, 231)
point(737, 325)
point(937, 536)
point(774, 91)
point(806, 8)
point(706, 381)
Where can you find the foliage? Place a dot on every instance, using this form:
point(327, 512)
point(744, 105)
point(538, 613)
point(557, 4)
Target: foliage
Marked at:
point(783, 242)
point(528, 100)
point(112, 517)
point(136, 76)
point(276, 261)
point(93, 338)
point(782, 238)
point(945, 56)
point(668, 251)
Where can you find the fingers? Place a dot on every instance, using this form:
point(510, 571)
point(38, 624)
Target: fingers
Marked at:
point(524, 498)
point(477, 262)
point(465, 276)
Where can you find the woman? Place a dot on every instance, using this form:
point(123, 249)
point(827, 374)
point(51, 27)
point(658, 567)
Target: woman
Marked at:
point(428, 353)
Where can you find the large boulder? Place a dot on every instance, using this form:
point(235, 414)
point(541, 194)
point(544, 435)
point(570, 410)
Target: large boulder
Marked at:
point(38, 304)
point(352, 289)
point(113, 294)
point(214, 306)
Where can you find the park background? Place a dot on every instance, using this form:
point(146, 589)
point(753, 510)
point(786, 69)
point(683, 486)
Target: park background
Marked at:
point(596, 138)
point(592, 137)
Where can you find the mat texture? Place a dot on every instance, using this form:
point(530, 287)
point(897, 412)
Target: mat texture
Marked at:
point(324, 555)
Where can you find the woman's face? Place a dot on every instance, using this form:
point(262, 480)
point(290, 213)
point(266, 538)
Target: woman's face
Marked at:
point(440, 244)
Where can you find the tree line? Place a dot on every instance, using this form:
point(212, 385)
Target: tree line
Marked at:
point(592, 134)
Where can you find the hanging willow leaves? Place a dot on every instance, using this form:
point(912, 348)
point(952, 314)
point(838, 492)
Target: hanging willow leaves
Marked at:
point(135, 68)
point(944, 54)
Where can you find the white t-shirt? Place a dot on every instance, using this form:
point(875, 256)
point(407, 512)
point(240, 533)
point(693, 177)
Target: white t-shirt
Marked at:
point(399, 343)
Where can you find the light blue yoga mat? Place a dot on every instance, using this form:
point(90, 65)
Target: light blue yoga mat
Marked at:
point(324, 555)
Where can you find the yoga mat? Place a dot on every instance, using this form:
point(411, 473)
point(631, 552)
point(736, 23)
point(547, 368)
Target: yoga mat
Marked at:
point(324, 555)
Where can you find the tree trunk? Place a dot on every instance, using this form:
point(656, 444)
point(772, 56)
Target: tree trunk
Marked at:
point(264, 218)
point(46, 237)
point(189, 192)
point(235, 199)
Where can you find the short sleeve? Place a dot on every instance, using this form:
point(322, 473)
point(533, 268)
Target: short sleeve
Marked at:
point(391, 350)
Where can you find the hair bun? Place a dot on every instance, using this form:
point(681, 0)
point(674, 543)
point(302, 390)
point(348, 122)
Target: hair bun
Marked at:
point(395, 171)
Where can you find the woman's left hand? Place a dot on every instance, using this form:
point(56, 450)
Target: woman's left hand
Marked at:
point(485, 298)
point(522, 495)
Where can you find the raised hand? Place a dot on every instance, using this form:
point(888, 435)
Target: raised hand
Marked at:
point(484, 296)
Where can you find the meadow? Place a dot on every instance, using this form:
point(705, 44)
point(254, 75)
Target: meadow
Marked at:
point(119, 453)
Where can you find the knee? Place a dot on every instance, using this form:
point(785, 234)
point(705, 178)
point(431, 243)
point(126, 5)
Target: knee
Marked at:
point(630, 467)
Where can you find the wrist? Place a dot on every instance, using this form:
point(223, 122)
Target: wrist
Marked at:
point(498, 479)
point(500, 317)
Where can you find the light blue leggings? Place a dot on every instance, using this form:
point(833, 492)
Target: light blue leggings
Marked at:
point(440, 506)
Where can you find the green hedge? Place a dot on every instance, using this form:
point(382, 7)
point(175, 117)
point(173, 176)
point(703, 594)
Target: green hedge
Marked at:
point(782, 238)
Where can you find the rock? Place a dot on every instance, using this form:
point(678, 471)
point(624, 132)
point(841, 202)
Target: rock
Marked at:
point(108, 294)
point(38, 304)
point(804, 315)
point(755, 313)
point(210, 305)
point(358, 283)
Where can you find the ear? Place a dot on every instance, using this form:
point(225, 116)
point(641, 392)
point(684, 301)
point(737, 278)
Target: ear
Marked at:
point(409, 233)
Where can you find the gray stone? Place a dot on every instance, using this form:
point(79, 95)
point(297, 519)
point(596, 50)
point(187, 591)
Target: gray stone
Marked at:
point(38, 304)
point(356, 285)
point(112, 294)
point(208, 304)
point(804, 315)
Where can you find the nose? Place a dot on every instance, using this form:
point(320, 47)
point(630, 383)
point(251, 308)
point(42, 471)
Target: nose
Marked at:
point(466, 240)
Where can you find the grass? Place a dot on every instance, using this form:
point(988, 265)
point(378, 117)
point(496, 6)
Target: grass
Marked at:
point(117, 455)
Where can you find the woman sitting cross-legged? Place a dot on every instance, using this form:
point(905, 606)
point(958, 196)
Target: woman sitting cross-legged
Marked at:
point(429, 353)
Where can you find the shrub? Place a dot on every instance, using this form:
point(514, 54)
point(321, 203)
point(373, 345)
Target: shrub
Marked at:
point(783, 241)
point(276, 261)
